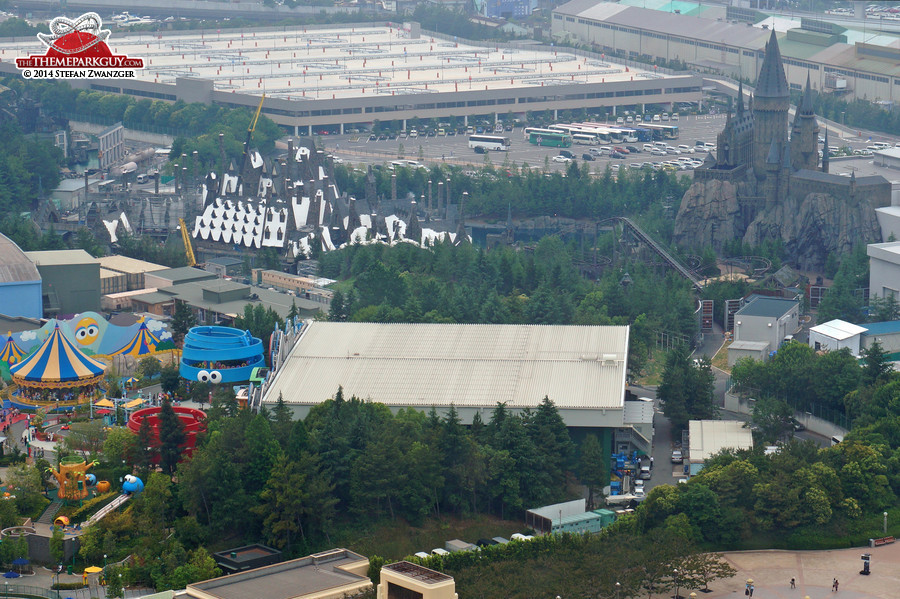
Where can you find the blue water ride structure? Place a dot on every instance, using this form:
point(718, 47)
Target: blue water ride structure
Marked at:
point(213, 354)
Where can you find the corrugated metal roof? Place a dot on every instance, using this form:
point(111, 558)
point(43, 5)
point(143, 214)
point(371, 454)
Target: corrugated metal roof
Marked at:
point(771, 307)
point(129, 265)
point(709, 437)
point(426, 365)
point(882, 328)
point(838, 329)
point(15, 266)
point(61, 257)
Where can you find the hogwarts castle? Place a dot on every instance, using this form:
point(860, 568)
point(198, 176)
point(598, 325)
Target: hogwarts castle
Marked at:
point(766, 181)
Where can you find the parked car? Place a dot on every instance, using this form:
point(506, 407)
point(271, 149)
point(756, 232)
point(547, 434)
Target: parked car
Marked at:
point(617, 155)
point(589, 157)
point(677, 457)
point(645, 473)
point(632, 149)
point(566, 153)
point(562, 159)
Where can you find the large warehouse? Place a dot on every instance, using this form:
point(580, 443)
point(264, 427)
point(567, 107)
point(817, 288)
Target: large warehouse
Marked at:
point(20, 282)
point(470, 366)
point(845, 62)
point(324, 79)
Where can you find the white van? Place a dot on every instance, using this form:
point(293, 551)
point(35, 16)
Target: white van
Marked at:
point(440, 551)
point(143, 178)
point(665, 116)
point(655, 118)
point(620, 121)
point(674, 116)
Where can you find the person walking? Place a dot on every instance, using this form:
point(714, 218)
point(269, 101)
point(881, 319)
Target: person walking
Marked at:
point(835, 585)
point(751, 590)
point(793, 583)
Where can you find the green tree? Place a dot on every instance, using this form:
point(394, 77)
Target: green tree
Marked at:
point(149, 367)
point(771, 417)
point(875, 363)
point(171, 438)
point(591, 469)
point(182, 321)
point(57, 545)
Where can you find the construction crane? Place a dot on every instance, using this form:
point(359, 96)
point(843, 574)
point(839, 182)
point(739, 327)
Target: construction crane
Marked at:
point(188, 248)
point(250, 129)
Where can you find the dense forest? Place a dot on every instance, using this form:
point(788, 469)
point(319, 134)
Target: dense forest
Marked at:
point(465, 284)
point(531, 192)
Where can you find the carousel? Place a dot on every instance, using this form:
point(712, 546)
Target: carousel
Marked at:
point(57, 376)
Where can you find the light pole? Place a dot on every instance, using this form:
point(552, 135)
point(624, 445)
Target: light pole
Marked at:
point(885, 523)
point(618, 588)
point(676, 582)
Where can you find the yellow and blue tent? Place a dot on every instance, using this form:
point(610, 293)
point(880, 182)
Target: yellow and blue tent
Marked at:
point(11, 353)
point(143, 343)
point(57, 364)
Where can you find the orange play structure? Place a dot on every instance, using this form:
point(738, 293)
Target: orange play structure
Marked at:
point(71, 477)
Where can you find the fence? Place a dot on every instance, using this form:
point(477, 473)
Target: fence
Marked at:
point(802, 410)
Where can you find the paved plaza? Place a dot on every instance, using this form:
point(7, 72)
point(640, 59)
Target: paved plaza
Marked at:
point(772, 570)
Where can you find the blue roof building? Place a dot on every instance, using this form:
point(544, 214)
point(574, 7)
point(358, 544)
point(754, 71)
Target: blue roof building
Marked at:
point(20, 282)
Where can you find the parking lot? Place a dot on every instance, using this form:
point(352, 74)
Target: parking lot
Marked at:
point(452, 148)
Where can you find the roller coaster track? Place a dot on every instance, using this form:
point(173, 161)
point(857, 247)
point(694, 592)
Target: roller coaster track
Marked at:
point(645, 239)
point(658, 249)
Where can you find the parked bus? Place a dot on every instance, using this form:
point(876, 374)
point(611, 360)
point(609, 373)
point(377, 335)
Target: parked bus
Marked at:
point(550, 138)
point(489, 142)
point(586, 139)
point(662, 132)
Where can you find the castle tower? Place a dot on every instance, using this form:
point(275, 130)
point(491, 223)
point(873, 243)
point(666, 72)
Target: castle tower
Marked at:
point(771, 102)
point(805, 133)
point(773, 173)
point(825, 153)
point(787, 169)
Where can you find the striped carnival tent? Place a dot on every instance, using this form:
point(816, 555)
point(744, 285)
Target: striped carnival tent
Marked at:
point(57, 364)
point(11, 353)
point(143, 343)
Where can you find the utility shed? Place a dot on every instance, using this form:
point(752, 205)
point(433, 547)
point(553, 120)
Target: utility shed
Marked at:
point(458, 545)
point(836, 334)
point(709, 437)
point(543, 519)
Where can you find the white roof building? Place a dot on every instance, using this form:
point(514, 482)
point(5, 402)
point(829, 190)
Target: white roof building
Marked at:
point(472, 367)
point(836, 334)
point(709, 437)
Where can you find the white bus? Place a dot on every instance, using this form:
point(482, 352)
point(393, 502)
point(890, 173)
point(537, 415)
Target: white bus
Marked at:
point(489, 142)
point(586, 139)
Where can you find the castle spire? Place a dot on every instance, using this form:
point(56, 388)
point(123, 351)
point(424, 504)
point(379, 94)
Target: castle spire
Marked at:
point(772, 82)
point(786, 158)
point(740, 99)
point(806, 106)
point(825, 153)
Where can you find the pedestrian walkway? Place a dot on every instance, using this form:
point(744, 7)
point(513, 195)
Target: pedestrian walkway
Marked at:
point(771, 572)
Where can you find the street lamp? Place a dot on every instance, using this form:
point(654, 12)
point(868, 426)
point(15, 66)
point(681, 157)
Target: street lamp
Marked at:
point(676, 582)
point(618, 588)
point(885, 523)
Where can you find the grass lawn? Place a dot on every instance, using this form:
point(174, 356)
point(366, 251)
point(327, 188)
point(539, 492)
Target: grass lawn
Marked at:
point(653, 370)
point(397, 539)
point(720, 360)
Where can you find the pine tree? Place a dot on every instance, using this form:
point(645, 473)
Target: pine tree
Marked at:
point(171, 438)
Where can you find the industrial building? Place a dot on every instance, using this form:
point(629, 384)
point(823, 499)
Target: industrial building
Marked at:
point(710, 437)
point(471, 367)
point(761, 326)
point(406, 580)
point(569, 517)
point(216, 300)
point(328, 78)
point(884, 269)
point(836, 335)
point(328, 575)
point(20, 282)
point(132, 269)
point(848, 63)
point(70, 281)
